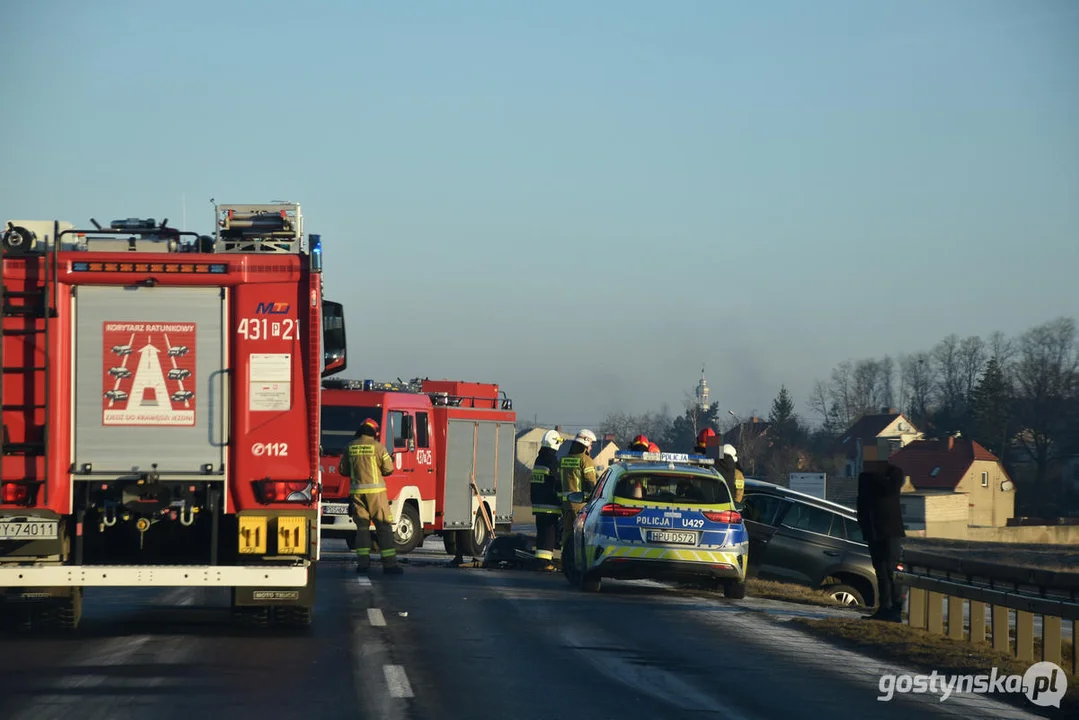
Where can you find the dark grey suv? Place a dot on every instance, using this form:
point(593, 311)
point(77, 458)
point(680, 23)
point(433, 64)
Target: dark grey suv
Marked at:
point(802, 539)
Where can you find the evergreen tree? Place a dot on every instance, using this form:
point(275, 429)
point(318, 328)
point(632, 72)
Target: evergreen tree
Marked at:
point(992, 407)
point(784, 426)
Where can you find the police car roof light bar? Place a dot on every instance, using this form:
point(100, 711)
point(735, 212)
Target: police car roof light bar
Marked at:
point(683, 458)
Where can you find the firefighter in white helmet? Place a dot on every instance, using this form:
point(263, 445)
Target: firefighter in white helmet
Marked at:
point(578, 471)
point(731, 471)
point(546, 498)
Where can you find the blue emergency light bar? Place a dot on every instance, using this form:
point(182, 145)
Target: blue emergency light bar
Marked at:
point(684, 458)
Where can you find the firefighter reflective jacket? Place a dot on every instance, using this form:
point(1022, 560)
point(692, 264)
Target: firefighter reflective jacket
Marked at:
point(578, 473)
point(545, 483)
point(367, 463)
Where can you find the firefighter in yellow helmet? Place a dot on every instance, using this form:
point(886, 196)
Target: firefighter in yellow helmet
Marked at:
point(546, 503)
point(578, 471)
point(367, 463)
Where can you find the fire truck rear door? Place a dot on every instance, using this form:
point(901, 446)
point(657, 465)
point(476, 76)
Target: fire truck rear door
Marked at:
point(150, 379)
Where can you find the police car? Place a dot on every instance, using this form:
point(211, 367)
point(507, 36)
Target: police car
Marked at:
point(660, 516)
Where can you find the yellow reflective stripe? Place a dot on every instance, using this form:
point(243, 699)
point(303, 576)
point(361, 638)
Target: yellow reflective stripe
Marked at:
point(653, 553)
point(590, 469)
point(369, 491)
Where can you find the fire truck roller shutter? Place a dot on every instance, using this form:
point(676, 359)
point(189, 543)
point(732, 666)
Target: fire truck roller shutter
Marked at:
point(150, 380)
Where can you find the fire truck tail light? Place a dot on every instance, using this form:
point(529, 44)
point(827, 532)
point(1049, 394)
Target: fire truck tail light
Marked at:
point(14, 494)
point(277, 491)
point(616, 510)
point(730, 517)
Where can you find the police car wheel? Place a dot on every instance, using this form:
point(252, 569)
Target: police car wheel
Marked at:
point(591, 583)
point(734, 590)
point(569, 568)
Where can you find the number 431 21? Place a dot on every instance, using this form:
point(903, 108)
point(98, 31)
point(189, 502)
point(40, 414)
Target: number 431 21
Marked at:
point(264, 329)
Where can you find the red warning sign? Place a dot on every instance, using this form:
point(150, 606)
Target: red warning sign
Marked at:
point(149, 373)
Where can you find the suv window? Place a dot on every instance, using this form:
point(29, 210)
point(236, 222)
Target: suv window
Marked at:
point(761, 508)
point(809, 518)
point(854, 531)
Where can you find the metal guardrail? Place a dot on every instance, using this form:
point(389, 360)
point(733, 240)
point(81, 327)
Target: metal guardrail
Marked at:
point(1005, 589)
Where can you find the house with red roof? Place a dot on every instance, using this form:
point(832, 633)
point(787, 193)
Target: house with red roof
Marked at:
point(938, 471)
point(875, 436)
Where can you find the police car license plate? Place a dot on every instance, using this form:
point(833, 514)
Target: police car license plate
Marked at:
point(671, 537)
point(335, 508)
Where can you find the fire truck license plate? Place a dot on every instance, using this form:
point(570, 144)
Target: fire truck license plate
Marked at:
point(335, 508)
point(28, 529)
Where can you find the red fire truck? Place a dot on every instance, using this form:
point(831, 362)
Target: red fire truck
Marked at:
point(453, 445)
point(160, 405)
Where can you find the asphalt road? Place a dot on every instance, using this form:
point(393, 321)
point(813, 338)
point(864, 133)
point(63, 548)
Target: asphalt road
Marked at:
point(447, 643)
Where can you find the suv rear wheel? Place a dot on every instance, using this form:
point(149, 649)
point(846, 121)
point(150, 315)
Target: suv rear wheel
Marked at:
point(844, 595)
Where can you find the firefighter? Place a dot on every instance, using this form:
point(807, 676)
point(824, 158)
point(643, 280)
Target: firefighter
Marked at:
point(639, 444)
point(731, 471)
point(545, 499)
point(578, 473)
point(653, 448)
point(701, 448)
point(367, 463)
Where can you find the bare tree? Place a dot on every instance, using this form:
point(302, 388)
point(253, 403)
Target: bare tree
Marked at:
point(1002, 348)
point(820, 403)
point(972, 359)
point(948, 374)
point(917, 373)
point(1045, 372)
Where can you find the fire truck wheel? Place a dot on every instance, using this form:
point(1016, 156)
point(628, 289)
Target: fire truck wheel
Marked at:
point(408, 534)
point(474, 542)
point(69, 612)
point(449, 542)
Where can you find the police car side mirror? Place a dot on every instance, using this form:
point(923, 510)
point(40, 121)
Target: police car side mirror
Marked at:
point(576, 497)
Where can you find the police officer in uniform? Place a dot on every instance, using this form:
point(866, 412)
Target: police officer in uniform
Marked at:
point(546, 505)
point(367, 463)
point(578, 471)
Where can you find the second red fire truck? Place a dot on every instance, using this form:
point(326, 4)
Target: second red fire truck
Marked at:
point(453, 445)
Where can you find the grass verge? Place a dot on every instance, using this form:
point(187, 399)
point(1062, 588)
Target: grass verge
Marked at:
point(788, 592)
point(923, 651)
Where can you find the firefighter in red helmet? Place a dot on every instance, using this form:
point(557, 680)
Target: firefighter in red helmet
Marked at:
point(653, 448)
point(701, 448)
point(367, 463)
point(639, 444)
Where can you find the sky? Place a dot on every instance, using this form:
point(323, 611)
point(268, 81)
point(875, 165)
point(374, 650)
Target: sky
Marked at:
point(586, 202)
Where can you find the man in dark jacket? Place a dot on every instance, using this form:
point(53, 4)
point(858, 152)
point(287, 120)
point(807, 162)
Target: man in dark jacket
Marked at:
point(881, 521)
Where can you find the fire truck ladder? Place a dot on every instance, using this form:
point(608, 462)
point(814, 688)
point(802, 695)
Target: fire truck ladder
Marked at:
point(26, 313)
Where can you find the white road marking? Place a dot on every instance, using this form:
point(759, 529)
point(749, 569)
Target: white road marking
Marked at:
point(397, 681)
point(376, 618)
point(363, 581)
